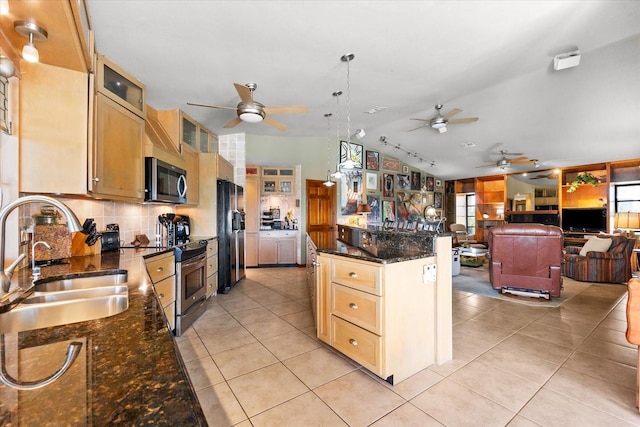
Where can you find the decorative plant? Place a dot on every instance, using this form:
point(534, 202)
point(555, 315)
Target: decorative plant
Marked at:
point(583, 178)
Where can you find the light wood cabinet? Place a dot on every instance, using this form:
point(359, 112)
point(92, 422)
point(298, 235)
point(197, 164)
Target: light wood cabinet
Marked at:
point(212, 267)
point(162, 272)
point(116, 164)
point(252, 220)
point(192, 166)
point(383, 316)
point(186, 131)
point(278, 181)
point(277, 247)
point(54, 116)
point(225, 169)
point(118, 85)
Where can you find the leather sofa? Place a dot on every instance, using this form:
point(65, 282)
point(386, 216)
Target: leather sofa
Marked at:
point(526, 256)
point(612, 266)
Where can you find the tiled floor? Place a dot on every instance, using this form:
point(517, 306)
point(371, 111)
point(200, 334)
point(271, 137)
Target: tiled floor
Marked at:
point(254, 361)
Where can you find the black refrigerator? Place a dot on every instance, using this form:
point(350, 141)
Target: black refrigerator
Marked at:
point(230, 224)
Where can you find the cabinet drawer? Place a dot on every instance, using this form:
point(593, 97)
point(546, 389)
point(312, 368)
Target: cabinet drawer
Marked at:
point(367, 278)
point(357, 307)
point(166, 290)
point(212, 284)
point(161, 266)
point(212, 265)
point(212, 247)
point(360, 345)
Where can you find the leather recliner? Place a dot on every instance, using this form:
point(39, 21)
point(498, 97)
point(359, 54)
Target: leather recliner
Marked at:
point(526, 256)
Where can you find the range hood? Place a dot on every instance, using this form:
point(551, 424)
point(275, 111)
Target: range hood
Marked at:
point(158, 143)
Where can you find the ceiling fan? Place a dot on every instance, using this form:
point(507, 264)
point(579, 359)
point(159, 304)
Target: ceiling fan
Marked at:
point(504, 162)
point(440, 122)
point(252, 111)
point(550, 175)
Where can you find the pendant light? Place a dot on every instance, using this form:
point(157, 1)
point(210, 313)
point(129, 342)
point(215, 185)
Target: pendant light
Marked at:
point(348, 163)
point(328, 182)
point(34, 32)
point(337, 174)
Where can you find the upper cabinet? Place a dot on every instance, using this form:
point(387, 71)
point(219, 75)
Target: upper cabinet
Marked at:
point(278, 181)
point(118, 85)
point(183, 129)
point(70, 43)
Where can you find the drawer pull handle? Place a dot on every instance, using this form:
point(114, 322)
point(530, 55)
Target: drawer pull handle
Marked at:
point(354, 275)
point(353, 305)
point(160, 270)
point(161, 296)
point(353, 342)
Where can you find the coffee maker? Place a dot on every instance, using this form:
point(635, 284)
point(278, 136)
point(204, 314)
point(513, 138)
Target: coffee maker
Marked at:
point(183, 229)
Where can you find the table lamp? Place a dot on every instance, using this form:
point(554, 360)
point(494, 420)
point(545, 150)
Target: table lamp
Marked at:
point(627, 221)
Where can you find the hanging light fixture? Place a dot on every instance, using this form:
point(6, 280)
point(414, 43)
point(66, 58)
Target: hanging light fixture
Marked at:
point(337, 174)
point(348, 163)
point(328, 182)
point(34, 32)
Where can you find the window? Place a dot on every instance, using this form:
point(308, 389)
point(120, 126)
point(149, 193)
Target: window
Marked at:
point(627, 198)
point(466, 211)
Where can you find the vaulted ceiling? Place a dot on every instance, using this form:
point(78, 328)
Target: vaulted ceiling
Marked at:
point(491, 59)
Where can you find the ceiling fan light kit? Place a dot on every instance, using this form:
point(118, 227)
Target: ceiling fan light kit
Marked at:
point(440, 122)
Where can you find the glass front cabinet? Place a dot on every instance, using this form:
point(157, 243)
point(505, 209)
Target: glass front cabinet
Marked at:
point(278, 181)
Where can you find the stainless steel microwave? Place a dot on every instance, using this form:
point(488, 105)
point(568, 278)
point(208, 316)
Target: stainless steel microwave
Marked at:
point(164, 182)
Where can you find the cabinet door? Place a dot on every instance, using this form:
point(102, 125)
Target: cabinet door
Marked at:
point(193, 170)
point(268, 253)
point(285, 186)
point(121, 87)
point(225, 169)
point(251, 248)
point(53, 129)
point(252, 208)
point(118, 167)
point(204, 141)
point(189, 132)
point(287, 251)
point(323, 295)
point(269, 186)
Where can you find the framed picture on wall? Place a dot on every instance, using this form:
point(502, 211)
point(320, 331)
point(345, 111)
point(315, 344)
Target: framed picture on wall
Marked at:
point(403, 182)
point(387, 185)
point(430, 183)
point(388, 210)
point(374, 204)
point(415, 181)
point(438, 183)
point(352, 152)
point(405, 169)
point(372, 181)
point(373, 160)
point(437, 200)
point(390, 164)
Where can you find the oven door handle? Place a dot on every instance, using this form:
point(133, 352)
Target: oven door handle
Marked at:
point(195, 260)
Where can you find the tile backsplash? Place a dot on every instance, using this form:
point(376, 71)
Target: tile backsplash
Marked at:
point(132, 218)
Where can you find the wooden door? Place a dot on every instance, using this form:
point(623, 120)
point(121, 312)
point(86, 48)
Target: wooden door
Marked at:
point(321, 213)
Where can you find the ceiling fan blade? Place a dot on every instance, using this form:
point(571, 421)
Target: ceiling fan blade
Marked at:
point(492, 165)
point(244, 92)
point(211, 106)
point(465, 120)
point(422, 120)
point(452, 113)
point(280, 126)
point(287, 109)
point(233, 123)
point(521, 159)
point(419, 127)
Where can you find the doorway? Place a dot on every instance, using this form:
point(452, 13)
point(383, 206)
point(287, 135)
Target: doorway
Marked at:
point(321, 213)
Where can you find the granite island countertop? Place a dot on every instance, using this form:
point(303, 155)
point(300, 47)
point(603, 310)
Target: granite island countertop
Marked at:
point(129, 371)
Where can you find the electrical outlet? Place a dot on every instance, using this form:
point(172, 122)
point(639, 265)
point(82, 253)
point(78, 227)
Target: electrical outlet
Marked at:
point(429, 273)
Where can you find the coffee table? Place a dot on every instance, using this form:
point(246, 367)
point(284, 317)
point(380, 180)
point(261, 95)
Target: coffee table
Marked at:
point(472, 257)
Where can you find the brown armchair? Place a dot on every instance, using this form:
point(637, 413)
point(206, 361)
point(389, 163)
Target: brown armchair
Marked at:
point(526, 256)
point(612, 266)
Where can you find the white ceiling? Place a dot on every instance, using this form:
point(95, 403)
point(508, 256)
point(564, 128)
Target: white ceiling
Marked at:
point(492, 59)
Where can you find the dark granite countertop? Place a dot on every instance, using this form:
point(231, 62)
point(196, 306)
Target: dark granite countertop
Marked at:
point(129, 371)
point(380, 254)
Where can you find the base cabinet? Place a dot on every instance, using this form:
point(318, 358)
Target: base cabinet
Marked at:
point(277, 247)
point(162, 272)
point(383, 316)
point(212, 267)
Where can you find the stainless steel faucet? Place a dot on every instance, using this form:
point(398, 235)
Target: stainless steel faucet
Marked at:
point(72, 224)
point(35, 269)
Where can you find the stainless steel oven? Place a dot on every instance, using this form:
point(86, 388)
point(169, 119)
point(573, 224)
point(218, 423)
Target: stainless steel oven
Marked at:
point(191, 283)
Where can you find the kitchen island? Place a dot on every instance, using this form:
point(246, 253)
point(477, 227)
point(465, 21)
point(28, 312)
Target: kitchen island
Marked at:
point(385, 299)
point(129, 371)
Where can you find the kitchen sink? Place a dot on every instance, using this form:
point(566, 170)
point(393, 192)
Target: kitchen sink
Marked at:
point(62, 302)
point(83, 282)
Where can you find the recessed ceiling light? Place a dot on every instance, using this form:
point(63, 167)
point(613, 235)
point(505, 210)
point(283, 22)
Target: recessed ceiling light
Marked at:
point(467, 144)
point(375, 110)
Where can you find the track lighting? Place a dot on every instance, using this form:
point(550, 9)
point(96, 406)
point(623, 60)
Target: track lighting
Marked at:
point(34, 32)
point(360, 133)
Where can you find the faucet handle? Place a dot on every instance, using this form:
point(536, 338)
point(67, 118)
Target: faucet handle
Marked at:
point(8, 273)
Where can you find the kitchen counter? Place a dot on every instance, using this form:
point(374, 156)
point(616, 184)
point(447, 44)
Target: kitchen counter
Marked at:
point(129, 371)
